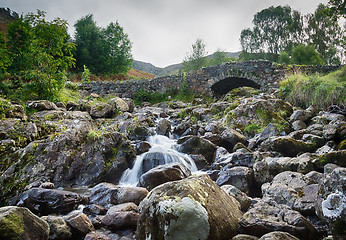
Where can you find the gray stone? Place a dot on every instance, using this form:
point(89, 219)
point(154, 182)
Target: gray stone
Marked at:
point(79, 223)
point(277, 235)
point(101, 110)
point(58, 229)
point(120, 220)
point(242, 198)
point(163, 127)
point(195, 200)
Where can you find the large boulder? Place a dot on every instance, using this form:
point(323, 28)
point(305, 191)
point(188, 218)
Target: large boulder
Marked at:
point(198, 201)
point(21, 223)
point(240, 177)
point(47, 201)
point(41, 105)
point(164, 173)
point(79, 224)
point(267, 216)
point(102, 110)
point(198, 145)
point(288, 146)
point(106, 193)
point(58, 228)
point(287, 188)
point(119, 104)
point(231, 137)
point(331, 200)
point(121, 220)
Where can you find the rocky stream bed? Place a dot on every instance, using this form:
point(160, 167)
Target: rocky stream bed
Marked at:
point(247, 166)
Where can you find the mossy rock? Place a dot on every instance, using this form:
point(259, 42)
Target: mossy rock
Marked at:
point(342, 145)
point(336, 157)
point(241, 92)
point(20, 223)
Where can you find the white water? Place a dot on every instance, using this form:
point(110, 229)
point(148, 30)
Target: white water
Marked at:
point(161, 152)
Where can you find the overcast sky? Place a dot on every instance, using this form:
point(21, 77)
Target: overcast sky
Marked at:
point(162, 31)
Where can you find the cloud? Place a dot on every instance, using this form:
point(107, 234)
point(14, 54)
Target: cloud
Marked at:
point(162, 31)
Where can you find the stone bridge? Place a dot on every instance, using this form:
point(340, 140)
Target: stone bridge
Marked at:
point(212, 81)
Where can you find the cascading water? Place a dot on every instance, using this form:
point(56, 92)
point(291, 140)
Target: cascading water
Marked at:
point(161, 152)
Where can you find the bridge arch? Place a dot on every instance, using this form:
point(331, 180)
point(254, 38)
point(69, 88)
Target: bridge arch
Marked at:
point(225, 85)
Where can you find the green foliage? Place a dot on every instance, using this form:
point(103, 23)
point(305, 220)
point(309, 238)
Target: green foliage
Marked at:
point(284, 57)
point(320, 91)
point(41, 54)
point(86, 75)
point(5, 106)
point(278, 29)
point(252, 129)
point(336, 8)
point(196, 59)
point(104, 50)
point(94, 135)
point(220, 56)
point(305, 55)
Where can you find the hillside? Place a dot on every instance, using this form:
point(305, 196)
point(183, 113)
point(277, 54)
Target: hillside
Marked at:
point(171, 69)
point(6, 17)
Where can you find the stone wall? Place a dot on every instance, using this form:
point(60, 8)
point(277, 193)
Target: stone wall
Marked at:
point(263, 73)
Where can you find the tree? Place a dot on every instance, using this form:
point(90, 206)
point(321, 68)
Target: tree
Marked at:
point(305, 54)
point(284, 58)
point(220, 56)
point(275, 29)
point(103, 50)
point(336, 8)
point(41, 54)
point(324, 33)
point(196, 59)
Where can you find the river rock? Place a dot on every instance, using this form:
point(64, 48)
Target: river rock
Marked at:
point(107, 193)
point(277, 235)
point(121, 220)
point(240, 177)
point(286, 187)
point(244, 237)
point(267, 216)
point(79, 223)
point(47, 201)
point(94, 209)
point(242, 198)
point(21, 223)
point(163, 127)
point(58, 228)
point(130, 206)
point(288, 146)
point(162, 174)
point(231, 137)
point(198, 145)
point(195, 200)
point(96, 236)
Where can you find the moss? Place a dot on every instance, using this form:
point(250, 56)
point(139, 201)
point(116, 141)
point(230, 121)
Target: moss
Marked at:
point(342, 145)
point(11, 226)
point(49, 117)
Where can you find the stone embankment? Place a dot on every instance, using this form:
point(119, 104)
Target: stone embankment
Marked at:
point(271, 170)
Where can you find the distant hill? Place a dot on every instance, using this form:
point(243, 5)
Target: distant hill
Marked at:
point(6, 17)
point(171, 69)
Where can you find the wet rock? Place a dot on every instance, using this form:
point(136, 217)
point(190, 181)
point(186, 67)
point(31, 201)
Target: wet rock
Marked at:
point(121, 220)
point(79, 223)
point(101, 110)
point(194, 200)
point(142, 147)
point(331, 200)
point(182, 127)
point(107, 193)
point(162, 174)
point(58, 228)
point(119, 104)
point(287, 146)
point(246, 159)
point(47, 201)
point(198, 145)
point(123, 207)
point(267, 216)
point(163, 127)
point(242, 198)
point(96, 236)
point(94, 209)
point(240, 177)
point(277, 235)
point(213, 128)
point(244, 237)
point(21, 223)
point(286, 187)
point(41, 105)
point(231, 137)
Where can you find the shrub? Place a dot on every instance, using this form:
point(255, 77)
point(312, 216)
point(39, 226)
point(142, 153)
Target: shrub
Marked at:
point(320, 91)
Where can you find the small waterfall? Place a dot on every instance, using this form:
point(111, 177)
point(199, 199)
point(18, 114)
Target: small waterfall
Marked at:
point(161, 152)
